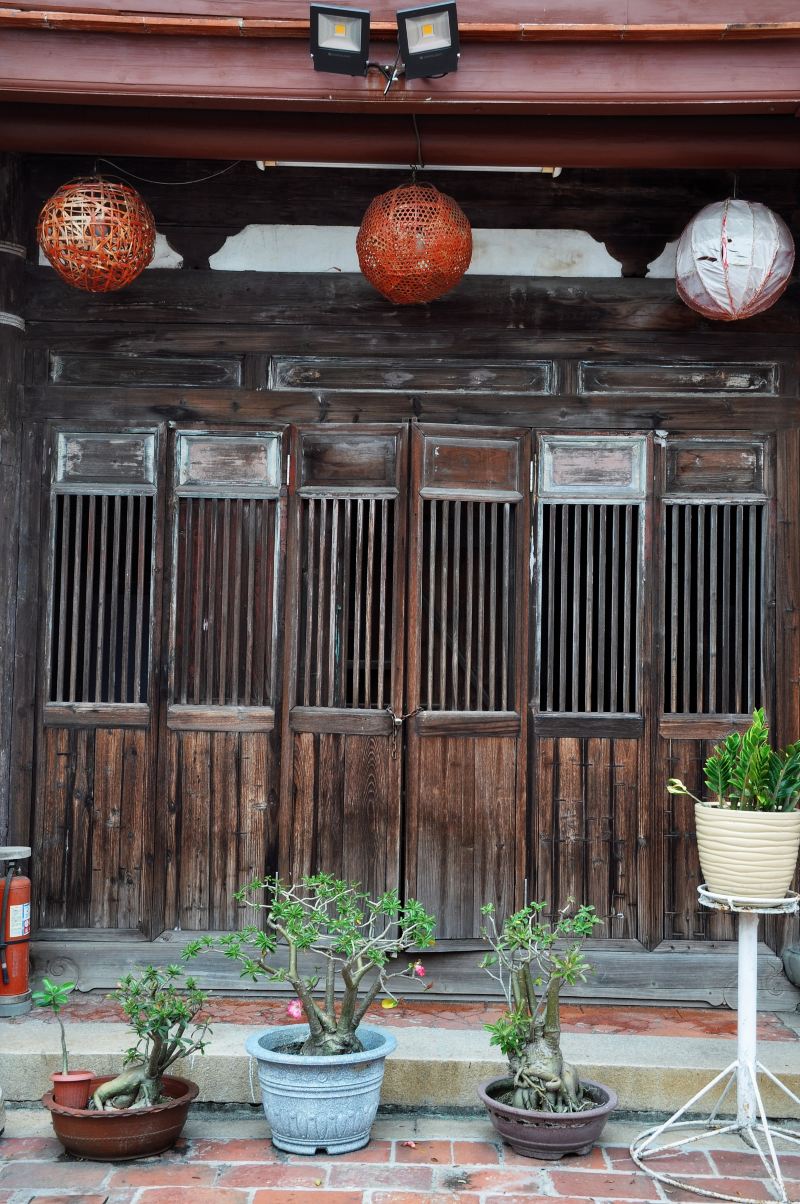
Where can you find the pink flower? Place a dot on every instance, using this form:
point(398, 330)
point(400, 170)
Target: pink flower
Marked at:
point(419, 969)
point(294, 1010)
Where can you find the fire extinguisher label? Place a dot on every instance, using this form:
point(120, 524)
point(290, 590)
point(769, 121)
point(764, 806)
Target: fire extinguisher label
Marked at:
point(19, 920)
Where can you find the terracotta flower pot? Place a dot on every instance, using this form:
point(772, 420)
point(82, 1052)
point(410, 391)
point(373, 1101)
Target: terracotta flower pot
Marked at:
point(71, 1090)
point(127, 1133)
point(747, 854)
point(548, 1135)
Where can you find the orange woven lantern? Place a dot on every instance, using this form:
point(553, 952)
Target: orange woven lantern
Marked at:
point(97, 234)
point(415, 243)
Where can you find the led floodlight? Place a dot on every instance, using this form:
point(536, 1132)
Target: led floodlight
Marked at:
point(428, 38)
point(339, 39)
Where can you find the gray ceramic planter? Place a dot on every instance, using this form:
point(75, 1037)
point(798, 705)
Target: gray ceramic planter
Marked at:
point(319, 1103)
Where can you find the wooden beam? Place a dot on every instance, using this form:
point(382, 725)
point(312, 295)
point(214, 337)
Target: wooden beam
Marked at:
point(81, 20)
point(705, 142)
point(12, 328)
point(587, 78)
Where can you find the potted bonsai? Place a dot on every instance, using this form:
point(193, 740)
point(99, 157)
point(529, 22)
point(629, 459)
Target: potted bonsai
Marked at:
point(142, 1110)
point(321, 1080)
point(541, 1107)
point(70, 1087)
point(748, 833)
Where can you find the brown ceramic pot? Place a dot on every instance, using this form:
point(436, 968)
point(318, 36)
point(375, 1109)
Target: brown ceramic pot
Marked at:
point(71, 1090)
point(128, 1133)
point(548, 1135)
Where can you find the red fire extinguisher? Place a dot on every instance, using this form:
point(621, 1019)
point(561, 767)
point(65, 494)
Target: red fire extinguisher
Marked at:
point(15, 933)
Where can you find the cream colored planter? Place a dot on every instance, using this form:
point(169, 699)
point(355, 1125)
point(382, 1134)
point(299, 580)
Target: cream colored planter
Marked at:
point(747, 854)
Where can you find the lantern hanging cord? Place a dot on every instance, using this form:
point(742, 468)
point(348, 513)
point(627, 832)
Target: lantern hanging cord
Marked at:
point(172, 183)
point(420, 163)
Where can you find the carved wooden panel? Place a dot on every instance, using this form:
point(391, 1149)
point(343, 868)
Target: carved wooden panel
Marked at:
point(144, 371)
point(601, 466)
point(227, 465)
point(341, 374)
point(349, 460)
point(664, 377)
point(119, 460)
point(715, 466)
point(488, 466)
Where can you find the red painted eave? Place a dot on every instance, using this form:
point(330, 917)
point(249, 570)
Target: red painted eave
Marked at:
point(276, 74)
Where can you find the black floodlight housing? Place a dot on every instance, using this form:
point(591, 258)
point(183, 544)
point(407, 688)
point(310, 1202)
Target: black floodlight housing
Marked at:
point(428, 38)
point(339, 39)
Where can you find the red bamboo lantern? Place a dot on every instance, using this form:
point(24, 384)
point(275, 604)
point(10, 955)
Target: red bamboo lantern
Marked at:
point(98, 235)
point(415, 244)
point(734, 260)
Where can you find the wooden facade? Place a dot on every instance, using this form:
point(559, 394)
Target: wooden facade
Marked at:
point(434, 597)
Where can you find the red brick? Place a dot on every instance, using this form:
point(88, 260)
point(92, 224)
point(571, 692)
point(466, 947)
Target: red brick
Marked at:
point(187, 1195)
point(61, 1199)
point(424, 1152)
point(731, 1187)
point(415, 1178)
point(593, 1161)
point(277, 1196)
point(415, 1197)
point(496, 1179)
point(163, 1174)
point(12, 1148)
point(240, 1149)
point(527, 1199)
point(276, 1174)
point(745, 1165)
point(594, 1185)
point(690, 1162)
point(34, 1176)
point(475, 1153)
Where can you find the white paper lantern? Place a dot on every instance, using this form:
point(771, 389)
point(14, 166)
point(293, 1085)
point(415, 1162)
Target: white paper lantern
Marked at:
point(734, 260)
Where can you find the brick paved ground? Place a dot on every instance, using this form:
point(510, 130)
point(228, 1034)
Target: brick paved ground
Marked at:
point(393, 1169)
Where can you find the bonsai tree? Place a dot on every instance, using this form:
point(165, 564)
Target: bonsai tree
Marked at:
point(530, 962)
point(745, 774)
point(54, 995)
point(321, 936)
point(163, 1015)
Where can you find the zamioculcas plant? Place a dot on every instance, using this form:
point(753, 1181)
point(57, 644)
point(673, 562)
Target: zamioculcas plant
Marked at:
point(54, 995)
point(745, 774)
point(163, 1015)
point(347, 941)
point(530, 962)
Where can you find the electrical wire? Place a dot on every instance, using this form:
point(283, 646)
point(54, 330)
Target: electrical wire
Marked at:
point(171, 183)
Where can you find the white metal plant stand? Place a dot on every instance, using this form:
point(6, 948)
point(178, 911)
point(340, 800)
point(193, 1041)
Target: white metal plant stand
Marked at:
point(750, 1123)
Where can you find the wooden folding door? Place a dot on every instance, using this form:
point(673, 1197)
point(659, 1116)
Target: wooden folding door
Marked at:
point(591, 804)
point(342, 753)
point(96, 742)
point(218, 806)
point(467, 670)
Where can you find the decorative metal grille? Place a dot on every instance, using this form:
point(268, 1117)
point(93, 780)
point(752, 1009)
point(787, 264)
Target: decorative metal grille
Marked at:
point(101, 598)
point(589, 607)
point(346, 621)
point(467, 619)
point(225, 601)
point(714, 609)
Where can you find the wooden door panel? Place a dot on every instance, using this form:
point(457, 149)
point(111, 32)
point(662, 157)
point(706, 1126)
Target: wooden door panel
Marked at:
point(93, 855)
point(219, 738)
point(716, 556)
point(90, 828)
point(464, 836)
point(585, 811)
point(465, 827)
point(341, 780)
point(221, 823)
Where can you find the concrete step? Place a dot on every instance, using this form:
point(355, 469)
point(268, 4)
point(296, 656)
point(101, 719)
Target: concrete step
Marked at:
point(432, 1068)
